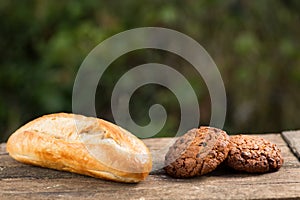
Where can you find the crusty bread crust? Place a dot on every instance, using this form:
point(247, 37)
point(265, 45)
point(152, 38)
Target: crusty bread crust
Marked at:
point(83, 145)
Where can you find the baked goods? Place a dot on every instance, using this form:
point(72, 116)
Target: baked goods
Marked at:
point(197, 152)
point(253, 154)
point(83, 145)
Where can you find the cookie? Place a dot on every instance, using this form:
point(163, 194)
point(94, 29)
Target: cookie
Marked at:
point(197, 152)
point(253, 154)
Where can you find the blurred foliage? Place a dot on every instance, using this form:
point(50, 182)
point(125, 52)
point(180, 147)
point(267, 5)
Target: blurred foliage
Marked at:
point(255, 44)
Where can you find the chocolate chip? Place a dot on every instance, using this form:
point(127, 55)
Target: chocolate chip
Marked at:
point(204, 144)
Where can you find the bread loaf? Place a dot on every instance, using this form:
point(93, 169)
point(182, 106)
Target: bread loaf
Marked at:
point(83, 145)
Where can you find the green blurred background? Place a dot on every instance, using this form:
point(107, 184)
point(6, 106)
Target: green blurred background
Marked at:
point(255, 45)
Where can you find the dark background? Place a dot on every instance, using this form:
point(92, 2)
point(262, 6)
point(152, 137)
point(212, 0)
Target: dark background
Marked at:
point(255, 45)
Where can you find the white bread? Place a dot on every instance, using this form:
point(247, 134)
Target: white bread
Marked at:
point(83, 145)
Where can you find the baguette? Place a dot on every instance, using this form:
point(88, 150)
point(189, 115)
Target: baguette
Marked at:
point(84, 145)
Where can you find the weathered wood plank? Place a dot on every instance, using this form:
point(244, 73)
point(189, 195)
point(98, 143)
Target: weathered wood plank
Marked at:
point(293, 140)
point(19, 181)
point(2, 148)
point(214, 186)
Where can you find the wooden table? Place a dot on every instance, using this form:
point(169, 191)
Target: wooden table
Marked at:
point(20, 181)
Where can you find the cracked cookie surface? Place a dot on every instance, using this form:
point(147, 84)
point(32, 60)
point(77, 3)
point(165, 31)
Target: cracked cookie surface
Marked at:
point(253, 154)
point(197, 152)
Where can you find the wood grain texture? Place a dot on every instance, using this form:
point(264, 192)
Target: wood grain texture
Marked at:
point(19, 181)
point(293, 140)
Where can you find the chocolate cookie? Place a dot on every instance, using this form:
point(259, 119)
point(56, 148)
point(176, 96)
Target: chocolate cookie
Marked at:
point(197, 152)
point(253, 154)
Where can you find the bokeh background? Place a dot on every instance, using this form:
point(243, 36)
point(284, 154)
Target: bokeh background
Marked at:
point(255, 45)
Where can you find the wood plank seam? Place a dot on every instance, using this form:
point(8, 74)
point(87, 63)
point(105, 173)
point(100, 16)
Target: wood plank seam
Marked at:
point(292, 138)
